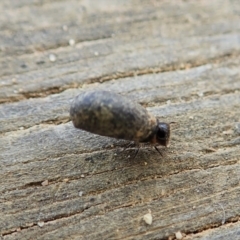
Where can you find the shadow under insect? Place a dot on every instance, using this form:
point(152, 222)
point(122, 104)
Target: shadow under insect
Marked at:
point(133, 149)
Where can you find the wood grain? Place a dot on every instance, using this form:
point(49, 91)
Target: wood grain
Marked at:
point(179, 59)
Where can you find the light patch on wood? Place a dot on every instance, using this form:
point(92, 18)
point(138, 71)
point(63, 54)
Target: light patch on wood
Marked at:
point(148, 218)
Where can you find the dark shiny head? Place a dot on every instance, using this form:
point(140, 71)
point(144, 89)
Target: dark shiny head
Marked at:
point(163, 133)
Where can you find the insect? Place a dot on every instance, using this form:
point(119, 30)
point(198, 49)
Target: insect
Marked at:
point(110, 114)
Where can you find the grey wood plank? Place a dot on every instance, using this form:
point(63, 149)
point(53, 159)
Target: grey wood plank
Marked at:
point(179, 59)
point(229, 231)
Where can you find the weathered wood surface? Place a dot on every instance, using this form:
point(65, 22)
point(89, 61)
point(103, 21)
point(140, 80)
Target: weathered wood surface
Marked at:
point(180, 59)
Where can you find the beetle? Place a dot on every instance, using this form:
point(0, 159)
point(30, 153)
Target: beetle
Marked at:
point(110, 114)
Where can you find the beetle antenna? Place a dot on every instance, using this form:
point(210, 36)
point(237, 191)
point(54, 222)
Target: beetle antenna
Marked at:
point(158, 151)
